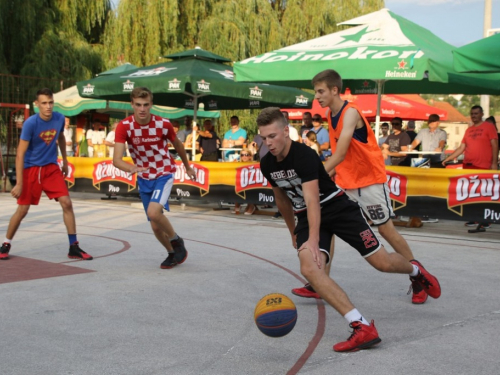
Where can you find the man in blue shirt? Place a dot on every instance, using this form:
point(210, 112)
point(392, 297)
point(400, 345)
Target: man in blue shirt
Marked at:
point(234, 138)
point(37, 170)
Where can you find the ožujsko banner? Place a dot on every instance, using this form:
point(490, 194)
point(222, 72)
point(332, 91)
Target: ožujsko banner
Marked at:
point(443, 193)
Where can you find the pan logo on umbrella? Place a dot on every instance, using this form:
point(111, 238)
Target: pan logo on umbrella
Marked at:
point(128, 86)
point(212, 104)
point(203, 86)
point(254, 104)
point(189, 103)
point(174, 85)
point(255, 92)
point(301, 100)
point(89, 89)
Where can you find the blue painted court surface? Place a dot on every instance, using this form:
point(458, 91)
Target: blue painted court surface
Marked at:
point(121, 314)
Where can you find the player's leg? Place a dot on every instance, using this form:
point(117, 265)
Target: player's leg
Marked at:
point(364, 334)
point(154, 195)
point(389, 232)
point(376, 204)
point(30, 194)
point(14, 223)
point(54, 186)
point(307, 291)
point(353, 228)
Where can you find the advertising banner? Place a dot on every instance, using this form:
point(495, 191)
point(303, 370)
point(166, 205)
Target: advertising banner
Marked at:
point(455, 194)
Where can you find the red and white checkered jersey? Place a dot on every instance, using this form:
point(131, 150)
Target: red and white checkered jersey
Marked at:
point(148, 145)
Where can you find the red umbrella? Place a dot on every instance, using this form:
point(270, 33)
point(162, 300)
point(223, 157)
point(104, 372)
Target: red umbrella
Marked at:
point(392, 106)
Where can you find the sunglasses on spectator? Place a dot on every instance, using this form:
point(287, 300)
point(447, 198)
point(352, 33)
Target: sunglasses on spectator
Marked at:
point(317, 119)
point(245, 154)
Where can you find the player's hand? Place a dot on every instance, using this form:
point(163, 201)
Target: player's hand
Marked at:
point(64, 168)
point(191, 173)
point(314, 249)
point(16, 191)
point(294, 241)
point(136, 169)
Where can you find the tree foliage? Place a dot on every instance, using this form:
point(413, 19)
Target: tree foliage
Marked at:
point(51, 38)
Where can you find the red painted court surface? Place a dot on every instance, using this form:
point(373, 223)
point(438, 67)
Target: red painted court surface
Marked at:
point(120, 314)
point(22, 269)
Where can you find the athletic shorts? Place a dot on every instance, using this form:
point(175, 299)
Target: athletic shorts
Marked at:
point(48, 179)
point(375, 202)
point(343, 218)
point(157, 191)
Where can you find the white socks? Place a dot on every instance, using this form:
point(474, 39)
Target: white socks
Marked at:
point(355, 316)
point(415, 271)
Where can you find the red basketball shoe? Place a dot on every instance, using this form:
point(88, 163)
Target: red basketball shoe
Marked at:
point(419, 295)
point(76, 253)
point(362, 337)
point(428, 282)
point(4, 251)
point(307, 291)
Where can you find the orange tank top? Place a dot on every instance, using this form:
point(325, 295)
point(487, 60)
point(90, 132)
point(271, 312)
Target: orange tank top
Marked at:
point(363, 164)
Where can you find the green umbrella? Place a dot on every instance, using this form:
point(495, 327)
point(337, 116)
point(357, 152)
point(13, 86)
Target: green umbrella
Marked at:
point(69, 103)
point(119, 69)
point(194, 78)
point(383, 53)
point(480, 56)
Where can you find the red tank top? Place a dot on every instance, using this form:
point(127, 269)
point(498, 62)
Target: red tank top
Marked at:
point(363, 164)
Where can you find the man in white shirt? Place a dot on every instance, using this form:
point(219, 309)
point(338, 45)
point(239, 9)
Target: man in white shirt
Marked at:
point(95, 137)
point(292, 132)
point(110, 140)
point(68, 136)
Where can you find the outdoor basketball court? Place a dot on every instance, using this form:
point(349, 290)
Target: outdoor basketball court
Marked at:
point(121, 314)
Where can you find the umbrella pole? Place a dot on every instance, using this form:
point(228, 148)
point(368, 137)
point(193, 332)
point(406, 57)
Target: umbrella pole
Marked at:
point(193, 137)
point(379, 104)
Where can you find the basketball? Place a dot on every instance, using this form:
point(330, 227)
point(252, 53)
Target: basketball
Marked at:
point(275, 315)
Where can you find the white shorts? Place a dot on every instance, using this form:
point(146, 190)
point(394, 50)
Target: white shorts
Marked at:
point(374, 201)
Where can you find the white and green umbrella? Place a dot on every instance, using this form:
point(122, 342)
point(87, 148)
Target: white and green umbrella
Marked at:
point(482, 56)
point(382, 53)
point(70, 103)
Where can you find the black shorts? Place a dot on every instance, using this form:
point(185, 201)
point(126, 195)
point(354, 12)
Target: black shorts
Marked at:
point(343, 218)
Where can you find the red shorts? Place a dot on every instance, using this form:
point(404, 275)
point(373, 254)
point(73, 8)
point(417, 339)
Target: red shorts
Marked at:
point(48, 179)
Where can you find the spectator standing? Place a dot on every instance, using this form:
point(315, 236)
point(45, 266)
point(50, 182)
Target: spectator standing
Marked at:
point(479, 146)
point(410, 129)
point(307, 125)
point(95, 138)
point(110, 140)
point(396, 142)
point(68, 136)
point(293, 133)
point(189, 144)
point(246, 157)
point(322, 137)
point(209, 142)
point(432, 139)
point(385, 133)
